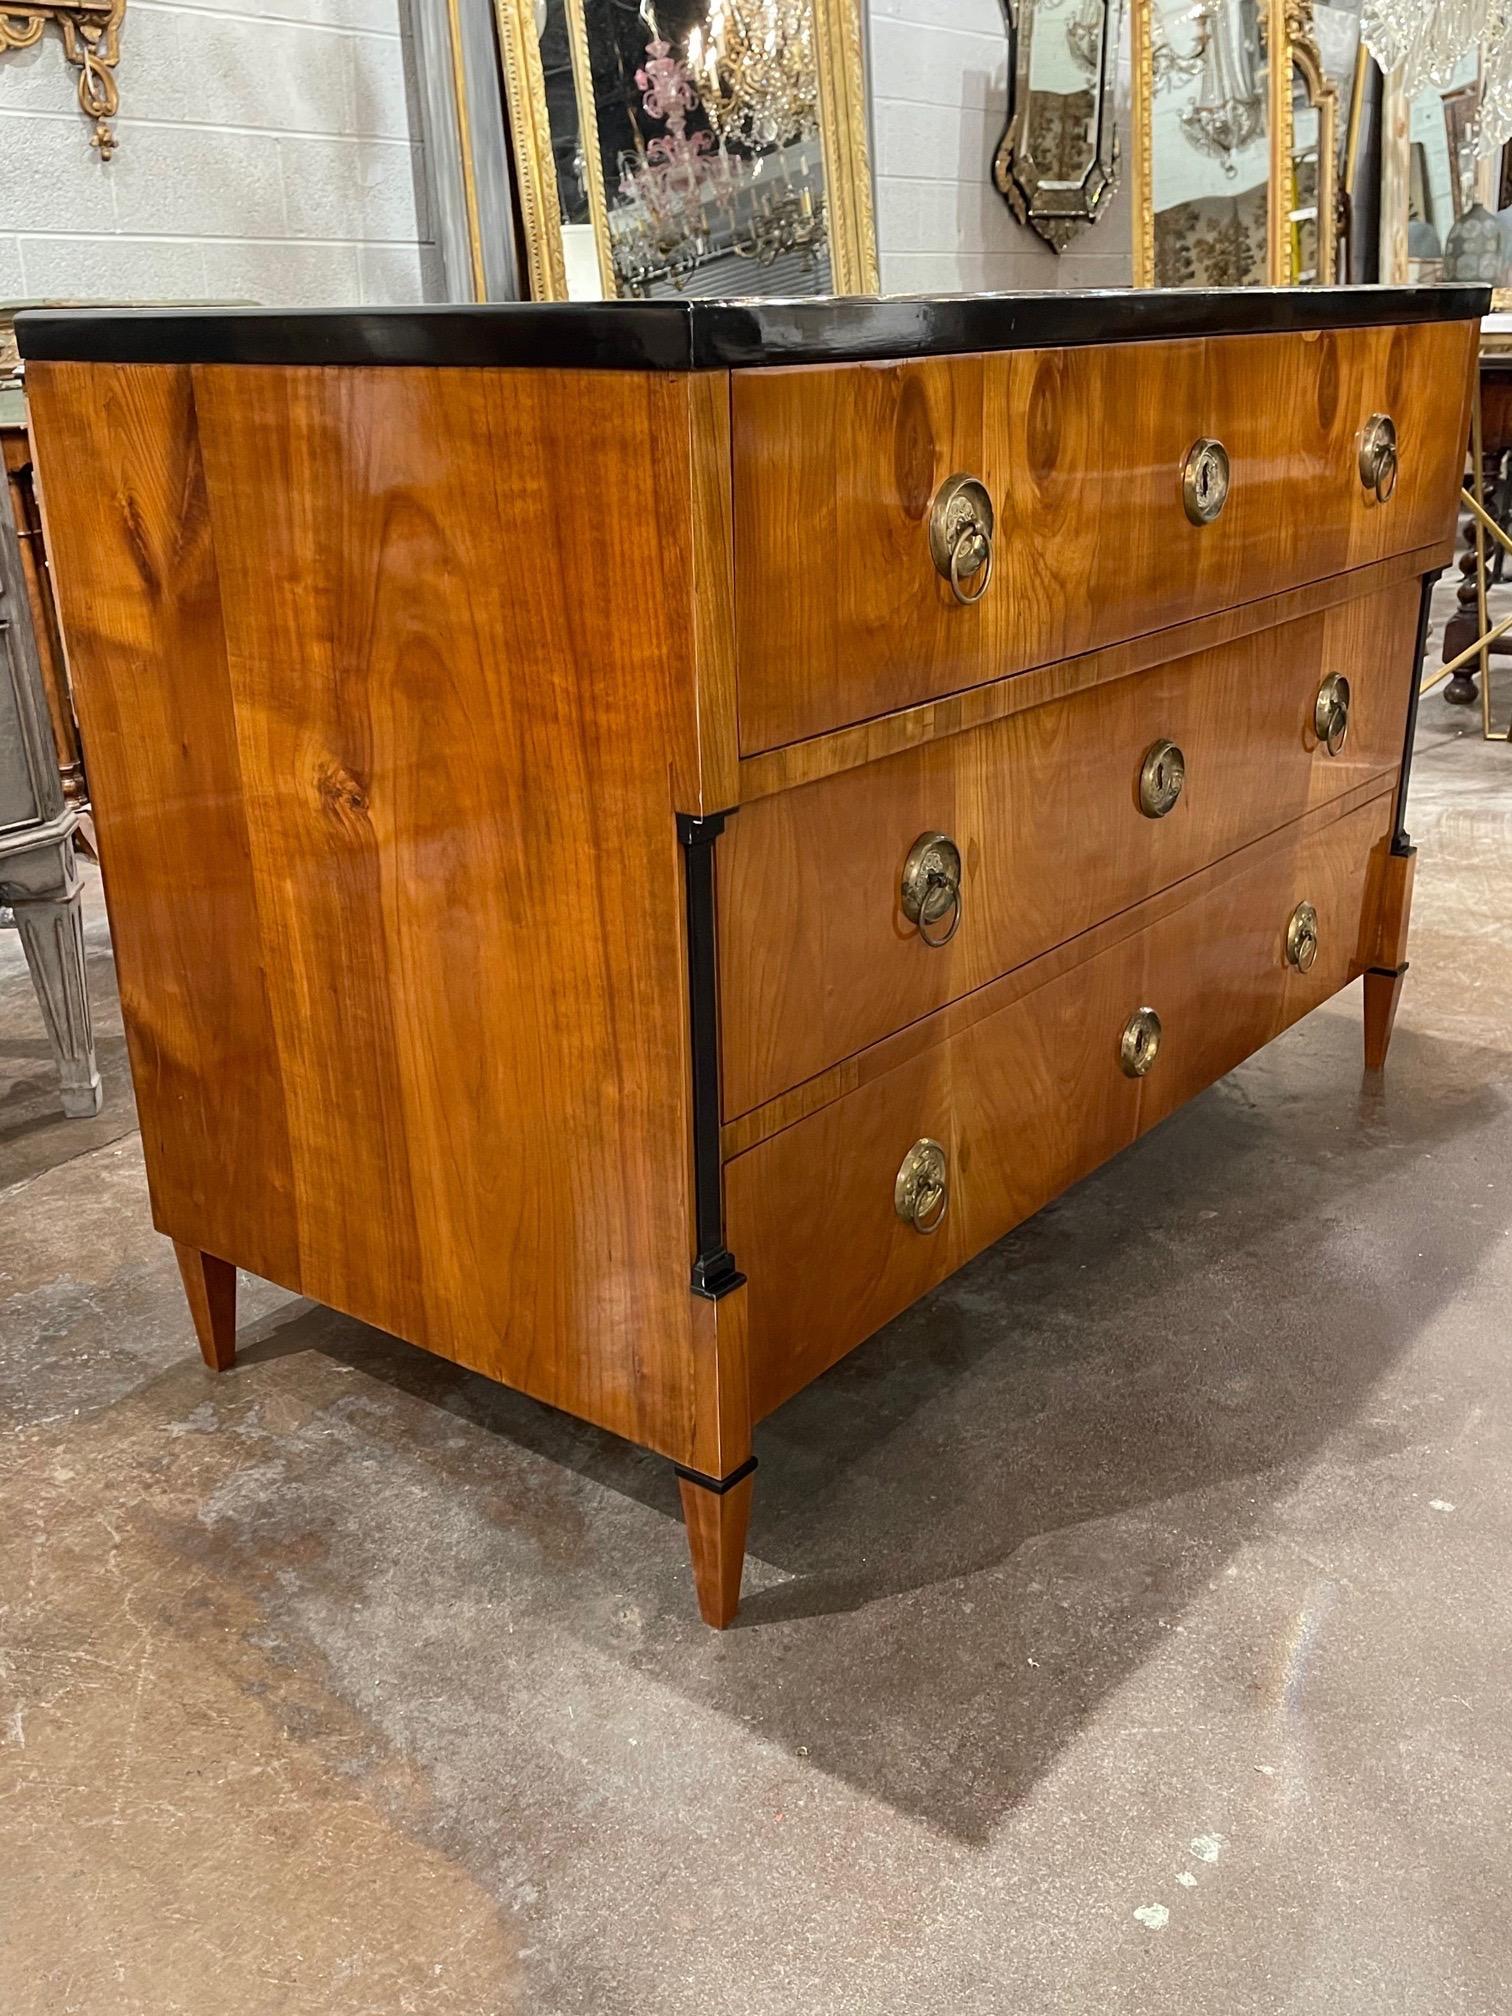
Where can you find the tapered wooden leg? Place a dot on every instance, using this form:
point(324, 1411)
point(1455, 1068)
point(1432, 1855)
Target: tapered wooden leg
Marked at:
point(210, 1285)
point(716, 1515)
point(1383, 990)
point(1388, 966)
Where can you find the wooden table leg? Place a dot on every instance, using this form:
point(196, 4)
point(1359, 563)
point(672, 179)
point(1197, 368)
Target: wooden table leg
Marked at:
point(1388, 969)
point(210, 1285)
point(716, 1512)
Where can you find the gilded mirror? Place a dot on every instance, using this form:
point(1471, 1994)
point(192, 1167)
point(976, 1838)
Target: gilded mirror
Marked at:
point(1309, 208)
point(1235, 158)
point(671, 148)
point(1057, 162)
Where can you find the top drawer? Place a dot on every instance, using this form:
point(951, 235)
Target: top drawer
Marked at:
point(841, 613)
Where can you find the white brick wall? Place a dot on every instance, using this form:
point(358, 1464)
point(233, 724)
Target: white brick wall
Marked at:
point(266, 155)
point(939, 91)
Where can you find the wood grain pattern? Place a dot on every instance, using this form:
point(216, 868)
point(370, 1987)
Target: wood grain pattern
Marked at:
point(1029, 1100)
point(840, 613)
point(210, 1290)
point(1383, 996)
point(911, 727)
point(386, 789)
point(716, 1523)
point(714, 785)
point(914, 1038)
point(817, 959)
point(1397, 874)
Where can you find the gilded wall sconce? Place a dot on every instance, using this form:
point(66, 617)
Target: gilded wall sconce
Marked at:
point(91, 39)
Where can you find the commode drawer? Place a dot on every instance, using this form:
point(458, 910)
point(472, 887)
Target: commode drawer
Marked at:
point(853, 906)
point(1109, 516)
point(977, 1132)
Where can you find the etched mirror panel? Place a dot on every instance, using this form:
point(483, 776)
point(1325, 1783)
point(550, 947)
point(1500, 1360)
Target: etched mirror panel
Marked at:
point(1057, 162)
point(1210, 145)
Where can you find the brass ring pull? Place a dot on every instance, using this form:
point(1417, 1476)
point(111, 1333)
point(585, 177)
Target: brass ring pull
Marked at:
point(979, 546)
point(1302, 938)
point(1331, 713)
point(921, 1194)
point(931, 890)
point(1379, 461)
point(1162, 778)
point(961, 522)
point(1139, 1045)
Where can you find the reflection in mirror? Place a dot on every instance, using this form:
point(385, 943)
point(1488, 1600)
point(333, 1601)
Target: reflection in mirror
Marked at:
point(1310, 195)
point(1441, 137)
point(1210, 147)
point(1430, 188)
point(687, 143)
point(1057, 162)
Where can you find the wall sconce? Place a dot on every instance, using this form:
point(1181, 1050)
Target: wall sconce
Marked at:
point(91, 39)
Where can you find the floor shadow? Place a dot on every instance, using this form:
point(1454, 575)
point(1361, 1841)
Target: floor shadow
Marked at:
point(969, 1533)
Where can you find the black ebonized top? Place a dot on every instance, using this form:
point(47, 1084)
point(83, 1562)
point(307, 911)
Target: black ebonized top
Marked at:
point(714, 335)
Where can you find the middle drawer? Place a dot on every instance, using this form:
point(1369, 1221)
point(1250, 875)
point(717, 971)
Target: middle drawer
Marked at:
point(1054, 822)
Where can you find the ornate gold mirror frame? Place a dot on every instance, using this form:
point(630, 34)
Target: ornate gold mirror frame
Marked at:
point(91, 39)
point(849, 226)
point(1306, 66)
point(1286, 25)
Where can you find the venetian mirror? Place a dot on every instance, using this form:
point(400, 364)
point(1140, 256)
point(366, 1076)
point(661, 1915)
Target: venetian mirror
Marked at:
point(1235, 160)
point(1057, 162)
point(690, 147)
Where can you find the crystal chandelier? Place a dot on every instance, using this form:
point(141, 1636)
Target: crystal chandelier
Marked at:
point(754, 62)
point(1429, 38)
point(1228, 110)
point(1085, 34)
point(742, 181)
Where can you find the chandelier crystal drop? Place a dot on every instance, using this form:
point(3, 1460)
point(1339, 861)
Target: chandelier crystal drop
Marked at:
point(1430, 38)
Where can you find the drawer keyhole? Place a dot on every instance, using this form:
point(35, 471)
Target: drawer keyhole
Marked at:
point(1140, 1044)
point(1205, 481)
point(1162, 779)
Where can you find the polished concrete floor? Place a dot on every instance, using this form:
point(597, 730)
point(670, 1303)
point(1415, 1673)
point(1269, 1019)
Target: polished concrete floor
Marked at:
point(1128, 1628)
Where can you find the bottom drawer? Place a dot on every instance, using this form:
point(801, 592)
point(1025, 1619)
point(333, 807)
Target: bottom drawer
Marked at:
point(1030, 1098)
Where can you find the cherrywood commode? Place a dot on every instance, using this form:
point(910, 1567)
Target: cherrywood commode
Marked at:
point(639, 838)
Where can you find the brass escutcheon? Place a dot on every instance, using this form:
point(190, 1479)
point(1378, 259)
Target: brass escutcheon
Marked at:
point(1140, 1043)
point(1331, 713)
point(1205, 481)
point(1302, 937)
point(960, 535)
point(931, 889)
point(1378, 456)
point(921, 1195)
point(1162, 777)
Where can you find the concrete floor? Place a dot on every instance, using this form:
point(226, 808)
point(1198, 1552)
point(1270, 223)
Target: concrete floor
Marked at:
point(1128, 1627)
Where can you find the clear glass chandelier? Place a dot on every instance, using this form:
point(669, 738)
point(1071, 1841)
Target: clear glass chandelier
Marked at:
point(1430, 37)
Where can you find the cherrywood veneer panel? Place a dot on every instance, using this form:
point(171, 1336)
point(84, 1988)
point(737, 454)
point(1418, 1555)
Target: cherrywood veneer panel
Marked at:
point(1029, 1100)
point(840, 613)
point(817, 959)
point(382, 671)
